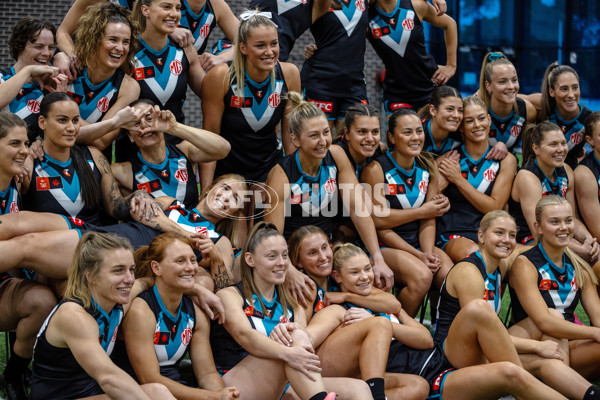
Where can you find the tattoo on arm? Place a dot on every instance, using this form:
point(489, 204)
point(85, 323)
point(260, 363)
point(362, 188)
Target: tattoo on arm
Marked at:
point(221, 277)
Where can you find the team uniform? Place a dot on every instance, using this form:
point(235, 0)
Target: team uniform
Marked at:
point(26, 105)
point(292, 17)
point(558, 285)
point(463, 218)
point(312, 199)
point(333, 77)
point(174, 177)
point(201, 25)
point(56, 373)
point(591, 161)
point(318, 304)
point(357, 168)
point(558, 187)
point(508, 130)
point(95, 100)
point(399, 40)
point(573, 131)
point(449, 306)
point(403, 190)
point(249, 124)
point(173, 333)
point(55, 188)
point(10, 202)
point(450, 143)
point(162, 76)
point(226, 351)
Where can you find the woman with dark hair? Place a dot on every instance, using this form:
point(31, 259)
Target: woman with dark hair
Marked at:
point(163, 312)
point(587, 177)
point(31, 44)
point(72, 352)
point(24, 304)
point(560, 105)
point(441, 119)
point(498, 88)
point(544, 172)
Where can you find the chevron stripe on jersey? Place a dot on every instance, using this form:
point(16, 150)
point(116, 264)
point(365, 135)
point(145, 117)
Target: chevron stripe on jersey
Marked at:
point(394, 29)
point(201, 25)
point(508, 130)
point(350, 14)
point(192, 221)
point(265, 321)
point(572, 129)
point(27, 103)
point(407, 188)
point(314, 194)
point(264, 101)
point(95, 100)
point(480, 178)
point(161, 84)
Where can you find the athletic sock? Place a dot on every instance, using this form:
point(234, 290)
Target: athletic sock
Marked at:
point(15, 368)
point(593, 393)
point(319, 396)
point(377, 386)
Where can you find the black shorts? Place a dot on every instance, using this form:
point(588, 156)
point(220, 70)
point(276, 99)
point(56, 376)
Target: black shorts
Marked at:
point(334, 107)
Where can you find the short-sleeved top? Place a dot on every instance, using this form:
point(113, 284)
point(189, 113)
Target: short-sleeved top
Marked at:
point(404, 190)
point(336, 68)
point(558, 187)
point(399, 40)
point(95, 100)
point(574, 133)
point(558, 285)
point(55, 188)
point(591, 161)
point(292, 17)
point(312, 199)
point(201, 25)
point(26, 105)
point(449, 306)
point(162, 76)
point(249, 123)
point(174, 177)
point(463, 218)
point(56, 373)
point(508, 130)
point(226, 351)
point(451, 142)
point(173, 333)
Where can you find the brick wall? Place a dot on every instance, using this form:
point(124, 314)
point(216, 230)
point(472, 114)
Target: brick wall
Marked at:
point(54, 10)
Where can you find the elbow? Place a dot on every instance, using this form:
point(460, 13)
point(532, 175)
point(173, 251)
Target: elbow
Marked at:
point(224, 149)
point(108, 382)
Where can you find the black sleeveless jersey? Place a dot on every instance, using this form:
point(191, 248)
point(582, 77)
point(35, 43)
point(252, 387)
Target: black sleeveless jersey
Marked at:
point(463, 218)
point(451, 142)
point(249, 123)
point(404, 190)
point(574, 133)
point(174, 177)
point(336, 68)
point(399, 40)
point(94, 101)
point(557, 187)
point(449, 306)
point(292, 17)
point(357, 168)
point(591, 161)
point(312, 199)
point(10, 200)
point(201, 25)
point(558, 286)
point(55, 188)
point(173, 333)
point(508, 130)
point(56, 373)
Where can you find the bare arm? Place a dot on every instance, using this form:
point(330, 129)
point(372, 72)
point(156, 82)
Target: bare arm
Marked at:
point(292, 80)
point(195, 74)
point(278, 198)
point(586, 190)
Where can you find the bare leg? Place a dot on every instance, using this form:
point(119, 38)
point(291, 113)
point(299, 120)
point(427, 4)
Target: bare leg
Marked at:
point(440, 275)
point(413, 274)
point(251, 370)
point(584, 357)
point(405, 387)
point(460, 248)
point(23, 222)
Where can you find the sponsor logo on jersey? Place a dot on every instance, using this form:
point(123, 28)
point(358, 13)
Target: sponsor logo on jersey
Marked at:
point(14, 207)
point(143, 73)
point(76, 221)
point(360, 5)
point(379, 32)
point(241, 102)
point(102, 104)
point(395, 189)
point(515, 131)
point(47, 183)
point(576, 137)
point(161, 338)
point(77, 97)
point(548, 284)
point(150, 186)
point(205, 30)
point(274, 100)
point(176, 67)
point(33, 106)
point(201, 230)
point(325, 106)
point(423, 185)
point(330, 185)
point(181, 175)
point(408, 24)
point(489, 175)
point(186, 336)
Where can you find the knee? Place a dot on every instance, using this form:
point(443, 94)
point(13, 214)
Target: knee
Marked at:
point(417, 390)
point(480, 311)
point(40, 300)
point(380, 326)
point(513, 374)
point(157, 391)
point(300, 338)
point(420, 280)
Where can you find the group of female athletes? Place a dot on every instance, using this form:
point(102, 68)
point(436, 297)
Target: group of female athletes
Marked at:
point(115, 268)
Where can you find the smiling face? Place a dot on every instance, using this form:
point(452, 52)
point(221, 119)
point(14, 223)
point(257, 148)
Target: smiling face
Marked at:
point(13, 151)
point(162, 15)
point(476, 124)
point(552, 150)
point(269, 262)
point(364, 137)
point(178, 267)
point(499, 239)
point(315, 255)
point(449, 114)
point(315, 138)
point(147, 139)
point(225, 199)
point(62, 124)
point(504, 84)
point(566, 94)
point(40, 51)
point(408, 136)
point(556, 225)
point(113, 281)
point(114, 47)
point(261, 49)
point(356, 275)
